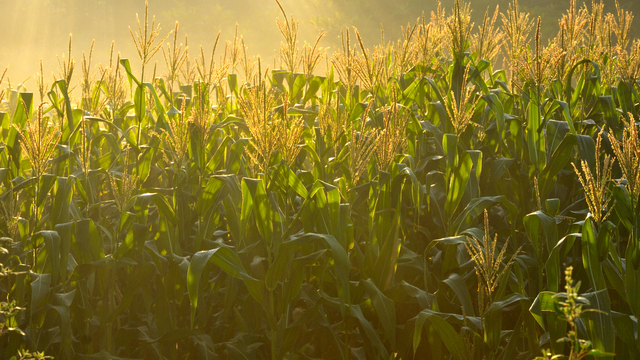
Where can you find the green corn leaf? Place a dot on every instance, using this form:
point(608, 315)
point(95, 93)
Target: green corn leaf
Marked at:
point(545, 301)
point(556, 257)
point(229, 262)
point(340, 258)
point(622, 206)
point(599, 323)
point(40, 289)
point(587, 148)
point(369, 331)
point(632, 280)
point(46, 183)
point(71, 124)
point(296, 84)
point(564, 107)
point(313, 86)
point(458, 183)
point(535, 140)
point(559, 159)
point(493, 326)
point(590, 258)
point(457, 284)
point(477, 206)
point(448, 335)
point(542, 231)
point(509, 351)
point(52, 249)
point(277, 269)
point(64, 232)
point(254, 200)
point(145, 163)
point(385, 308)
point(127, 67)
point(140, 102)
point(162, 204)
point(625, 328)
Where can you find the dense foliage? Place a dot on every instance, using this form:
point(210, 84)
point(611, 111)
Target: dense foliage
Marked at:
point(414, 202)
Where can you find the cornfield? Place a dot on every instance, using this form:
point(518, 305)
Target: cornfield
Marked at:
point(463, 192)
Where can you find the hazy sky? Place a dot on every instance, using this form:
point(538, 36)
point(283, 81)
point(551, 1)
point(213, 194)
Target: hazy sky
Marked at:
point(34, 29)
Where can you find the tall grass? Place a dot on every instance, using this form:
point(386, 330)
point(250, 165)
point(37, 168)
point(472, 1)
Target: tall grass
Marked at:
point(415, 200)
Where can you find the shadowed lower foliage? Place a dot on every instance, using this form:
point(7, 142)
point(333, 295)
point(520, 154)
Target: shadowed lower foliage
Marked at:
point(415, 201)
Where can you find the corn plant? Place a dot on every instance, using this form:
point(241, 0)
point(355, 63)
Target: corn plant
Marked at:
point(414, 200)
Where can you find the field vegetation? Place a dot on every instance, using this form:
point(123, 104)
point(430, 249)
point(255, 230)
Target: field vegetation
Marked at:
point(417, 200)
